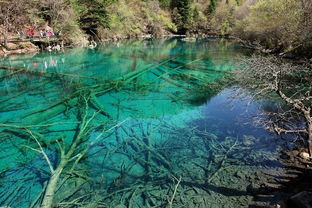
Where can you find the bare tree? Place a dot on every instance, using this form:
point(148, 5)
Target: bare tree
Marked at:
point(12, 16)
point(291, 83)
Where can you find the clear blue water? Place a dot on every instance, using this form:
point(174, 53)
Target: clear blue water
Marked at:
point(133, 117)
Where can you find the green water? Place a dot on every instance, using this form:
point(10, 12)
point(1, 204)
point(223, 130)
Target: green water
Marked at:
point(136, 119)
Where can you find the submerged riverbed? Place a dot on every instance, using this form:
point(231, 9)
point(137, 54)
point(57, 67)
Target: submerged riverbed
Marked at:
point(150, 123)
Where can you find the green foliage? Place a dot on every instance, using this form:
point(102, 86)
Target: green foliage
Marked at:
point(268, 15)
point(165, 3)
point(198, 22)
point(195, 14)
point(137, 17)
point(212, 7)
point(279, 24)
point(92, 14)
point(275, 22)
point(223, 18)
point(34, 16)
point(59, 14)
point(182, 14)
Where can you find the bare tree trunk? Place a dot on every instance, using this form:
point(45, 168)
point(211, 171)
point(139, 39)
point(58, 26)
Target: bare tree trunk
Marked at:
point(52, 184)
point(310, 138)
point(6, 31)
point(306, 111)
point(65, 159)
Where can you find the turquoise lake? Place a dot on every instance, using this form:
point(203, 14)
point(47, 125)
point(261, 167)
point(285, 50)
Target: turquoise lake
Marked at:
point(141, 123)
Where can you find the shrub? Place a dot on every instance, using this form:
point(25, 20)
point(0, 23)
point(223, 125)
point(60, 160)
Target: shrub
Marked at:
point(182, 14)
point(223, 19)
point(275, 23)
point(136, 17)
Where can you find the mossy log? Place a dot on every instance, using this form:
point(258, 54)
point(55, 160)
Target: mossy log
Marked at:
point(50, 113)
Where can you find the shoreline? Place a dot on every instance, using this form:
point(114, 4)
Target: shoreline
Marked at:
point(18, 47)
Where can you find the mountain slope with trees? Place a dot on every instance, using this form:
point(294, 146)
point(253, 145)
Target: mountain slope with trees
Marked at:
point(280, 26)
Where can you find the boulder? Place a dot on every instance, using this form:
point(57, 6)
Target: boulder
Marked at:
point(304, 155)
point(12, 46)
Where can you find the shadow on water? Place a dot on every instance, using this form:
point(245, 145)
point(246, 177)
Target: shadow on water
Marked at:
point(282, 185)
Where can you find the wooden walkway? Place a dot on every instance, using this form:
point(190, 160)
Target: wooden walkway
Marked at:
point(34, 39)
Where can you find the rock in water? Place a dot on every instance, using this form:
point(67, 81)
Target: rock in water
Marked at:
point(301, 200)
point(304, 155)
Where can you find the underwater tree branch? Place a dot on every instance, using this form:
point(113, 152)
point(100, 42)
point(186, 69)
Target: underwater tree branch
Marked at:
point(170, 202)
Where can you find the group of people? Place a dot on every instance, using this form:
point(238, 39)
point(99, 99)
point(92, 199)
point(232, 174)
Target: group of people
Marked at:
point(46, 33)
point(30, 33)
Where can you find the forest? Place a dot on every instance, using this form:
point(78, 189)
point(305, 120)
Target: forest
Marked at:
point(281, 27)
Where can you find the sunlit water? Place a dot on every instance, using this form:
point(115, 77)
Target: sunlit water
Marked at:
point(149, 114)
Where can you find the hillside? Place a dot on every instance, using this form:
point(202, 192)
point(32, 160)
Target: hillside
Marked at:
point(278, 26)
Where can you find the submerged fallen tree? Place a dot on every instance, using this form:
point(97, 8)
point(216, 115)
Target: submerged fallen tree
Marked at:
point(64, 150)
